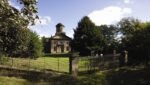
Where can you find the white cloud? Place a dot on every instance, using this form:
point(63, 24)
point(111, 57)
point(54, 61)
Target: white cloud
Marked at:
point(108, 15)
point(127, 10)
point(127, 1)
point(42, 26)
point(43, 30)
point(14, 5)
point(43, 20)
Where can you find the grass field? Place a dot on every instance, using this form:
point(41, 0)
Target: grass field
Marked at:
point(33, 72)
point(119, 76)
point(19, 81)
point(60, 64)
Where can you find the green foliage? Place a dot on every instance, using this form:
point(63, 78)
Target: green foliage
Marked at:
point(3, 59)
point(28, 10)
point(87, 37)
point(14, 32)
point(46, 44)
point(128, 26)
point(135, 39)
point(13, 36)
point(110, 33)
point(35, 45)
point(139, 45)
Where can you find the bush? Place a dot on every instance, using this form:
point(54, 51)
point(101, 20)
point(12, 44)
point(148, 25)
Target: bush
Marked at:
point(35, 46)
point(3, 59)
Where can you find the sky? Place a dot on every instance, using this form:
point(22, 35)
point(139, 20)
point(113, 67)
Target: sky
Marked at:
point(70, 12)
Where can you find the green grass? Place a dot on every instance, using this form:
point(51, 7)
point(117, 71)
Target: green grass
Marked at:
point(118, 76)
point(34, 72)
point(83, 64)
point(18, 81)
point(60, 64)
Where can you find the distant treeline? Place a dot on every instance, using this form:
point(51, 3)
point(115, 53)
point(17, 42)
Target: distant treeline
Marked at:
point(129, 34)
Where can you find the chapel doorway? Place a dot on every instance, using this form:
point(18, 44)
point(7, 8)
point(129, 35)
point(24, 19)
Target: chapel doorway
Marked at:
point(62, 49)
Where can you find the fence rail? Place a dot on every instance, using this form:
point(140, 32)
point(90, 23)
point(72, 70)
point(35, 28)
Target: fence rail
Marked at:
point(71, 64)
point(59, 64)
point(92, 63)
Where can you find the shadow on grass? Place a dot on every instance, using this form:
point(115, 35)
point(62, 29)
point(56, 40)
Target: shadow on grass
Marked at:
point(51, 78)
point(126, 76)
point(122, 76)
point(24, 74)
point(58, 55)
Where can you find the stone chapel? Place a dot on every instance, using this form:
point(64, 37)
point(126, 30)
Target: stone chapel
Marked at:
point(60, 42)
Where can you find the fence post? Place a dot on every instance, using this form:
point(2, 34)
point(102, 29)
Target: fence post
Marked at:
point(114, 55)
point(124, 58)
point(73, 65)
point(116, 58)
point(70, 64)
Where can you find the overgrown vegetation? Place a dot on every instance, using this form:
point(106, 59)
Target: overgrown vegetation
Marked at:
point(129, 34)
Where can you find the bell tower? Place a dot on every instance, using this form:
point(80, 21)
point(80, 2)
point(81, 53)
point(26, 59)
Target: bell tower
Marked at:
point(59, 28)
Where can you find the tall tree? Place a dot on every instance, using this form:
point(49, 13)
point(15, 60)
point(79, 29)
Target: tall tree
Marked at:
point(35, 47)
point(138, 45)
point(28, 10)
point(87, 37)
point(46, 44)
point(127, 27)
point(110, 33)
point(13, 25)
point(135, 39)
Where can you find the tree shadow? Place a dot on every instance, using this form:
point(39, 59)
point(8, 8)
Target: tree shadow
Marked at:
point(33, 76)
point(122, 76)
point(52, 78)
point(127, 76)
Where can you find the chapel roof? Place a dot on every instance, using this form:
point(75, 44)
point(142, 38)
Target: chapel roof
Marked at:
point(61, 36)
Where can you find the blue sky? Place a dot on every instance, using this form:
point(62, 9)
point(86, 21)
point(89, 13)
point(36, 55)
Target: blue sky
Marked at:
point(69, 13)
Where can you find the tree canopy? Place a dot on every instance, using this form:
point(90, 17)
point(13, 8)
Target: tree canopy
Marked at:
point(128, 34)
point(14, 33)
point(135, 39)
point(87, 37)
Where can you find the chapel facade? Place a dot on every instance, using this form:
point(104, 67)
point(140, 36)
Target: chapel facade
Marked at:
point(60, 42)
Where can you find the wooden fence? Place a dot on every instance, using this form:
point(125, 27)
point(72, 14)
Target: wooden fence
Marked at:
point(93, 63)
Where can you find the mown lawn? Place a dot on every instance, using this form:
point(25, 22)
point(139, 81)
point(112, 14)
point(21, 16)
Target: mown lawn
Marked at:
point(60, 64)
